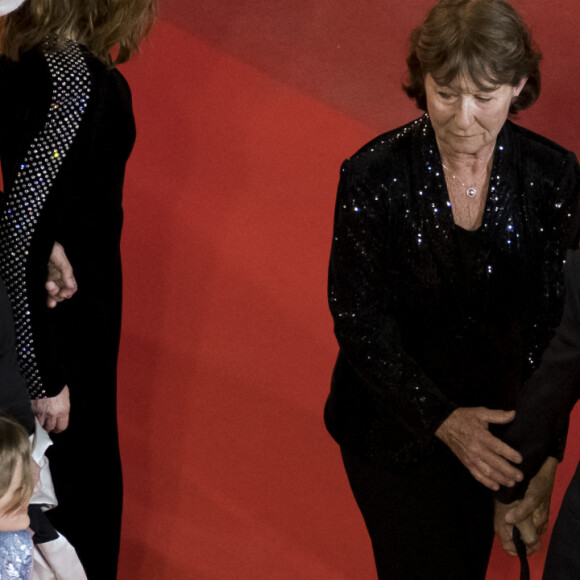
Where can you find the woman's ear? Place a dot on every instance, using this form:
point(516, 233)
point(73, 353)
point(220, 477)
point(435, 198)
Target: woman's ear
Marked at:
point(519, 87)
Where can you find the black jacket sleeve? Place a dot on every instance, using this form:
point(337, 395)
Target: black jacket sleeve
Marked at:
point(364, 323)
point(551, 392)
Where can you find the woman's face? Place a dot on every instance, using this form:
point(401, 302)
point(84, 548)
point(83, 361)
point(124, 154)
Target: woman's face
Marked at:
point(466, 119)
point(18, 519)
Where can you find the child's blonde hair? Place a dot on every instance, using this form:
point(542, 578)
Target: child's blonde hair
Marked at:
point(14, 450)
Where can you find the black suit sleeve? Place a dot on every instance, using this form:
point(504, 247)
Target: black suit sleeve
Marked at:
point(551, 392)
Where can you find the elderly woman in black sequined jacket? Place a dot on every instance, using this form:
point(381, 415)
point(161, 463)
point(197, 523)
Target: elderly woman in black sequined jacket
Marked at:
point(445, 284)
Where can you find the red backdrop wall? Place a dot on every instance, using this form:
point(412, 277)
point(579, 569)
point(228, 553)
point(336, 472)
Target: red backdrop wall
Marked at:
point(245, 110)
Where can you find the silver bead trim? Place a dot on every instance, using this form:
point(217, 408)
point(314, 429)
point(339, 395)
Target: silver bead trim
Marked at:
point(31, 188)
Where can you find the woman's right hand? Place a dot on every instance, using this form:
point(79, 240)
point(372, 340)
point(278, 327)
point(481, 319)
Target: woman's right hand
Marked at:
point(488, 458)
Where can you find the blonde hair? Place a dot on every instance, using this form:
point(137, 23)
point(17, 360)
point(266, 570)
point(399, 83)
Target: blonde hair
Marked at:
point(100, 25)
point(14, 451)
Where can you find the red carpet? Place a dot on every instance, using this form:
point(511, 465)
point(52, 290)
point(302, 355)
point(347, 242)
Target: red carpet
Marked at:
point(245, 111)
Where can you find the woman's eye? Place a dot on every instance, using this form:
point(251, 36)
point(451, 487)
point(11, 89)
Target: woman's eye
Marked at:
point(445, 95)
point(483, 99)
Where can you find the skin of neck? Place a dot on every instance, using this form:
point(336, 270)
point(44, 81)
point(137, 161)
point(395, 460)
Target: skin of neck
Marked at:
point(466, 164)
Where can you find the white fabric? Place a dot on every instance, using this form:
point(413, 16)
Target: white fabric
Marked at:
point(43, 494)
point(7, 6)
point(56, 560)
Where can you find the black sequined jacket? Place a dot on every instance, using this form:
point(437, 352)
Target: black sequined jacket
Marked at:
point(66, 131)
point(421, 334)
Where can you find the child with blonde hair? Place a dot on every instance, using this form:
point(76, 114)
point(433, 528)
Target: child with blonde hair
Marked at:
point(51, 556)
point(16, 486)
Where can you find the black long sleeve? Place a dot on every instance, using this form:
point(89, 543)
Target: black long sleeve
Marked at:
point(551, 392)
point(364, 321)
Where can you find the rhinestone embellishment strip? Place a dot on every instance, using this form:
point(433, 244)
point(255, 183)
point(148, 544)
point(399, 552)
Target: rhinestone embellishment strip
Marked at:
point(31, 188)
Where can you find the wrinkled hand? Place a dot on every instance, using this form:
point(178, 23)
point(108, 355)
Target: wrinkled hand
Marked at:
point(53, 412)
point(530, 514)
point(61, 283)
point(505, 531)
point(488, 458)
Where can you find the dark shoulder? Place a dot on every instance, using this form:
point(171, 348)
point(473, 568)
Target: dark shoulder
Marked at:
point(549, 177)
point(392, 150)
point(539, 150)
point(392, 142)
point(27, 78)
point(105, 74)
point(32, 60)
point(109, 89)
point(72, 63)
point(25, 94)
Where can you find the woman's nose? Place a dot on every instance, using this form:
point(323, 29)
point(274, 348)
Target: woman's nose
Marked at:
point(464, 113)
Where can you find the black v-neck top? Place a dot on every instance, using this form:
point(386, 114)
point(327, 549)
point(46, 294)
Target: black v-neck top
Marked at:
point(467, 241)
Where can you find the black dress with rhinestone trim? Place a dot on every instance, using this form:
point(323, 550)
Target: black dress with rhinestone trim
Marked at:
point(66, 132)
point(427, 321)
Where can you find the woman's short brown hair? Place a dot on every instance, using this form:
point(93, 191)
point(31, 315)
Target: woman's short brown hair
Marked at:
point(484, 40)
point(100, 25)
point(14, 451)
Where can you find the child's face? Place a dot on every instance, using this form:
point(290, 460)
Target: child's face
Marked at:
point(18, 519)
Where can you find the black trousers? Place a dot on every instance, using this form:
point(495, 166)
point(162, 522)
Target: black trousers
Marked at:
point(430, 521)
point(563, 558)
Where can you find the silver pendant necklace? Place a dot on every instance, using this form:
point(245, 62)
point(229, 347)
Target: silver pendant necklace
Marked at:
point(470, 191)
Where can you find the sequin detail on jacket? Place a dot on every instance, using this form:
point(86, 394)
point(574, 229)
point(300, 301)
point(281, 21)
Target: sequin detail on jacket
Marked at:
point(31, 188)
point(420, 333)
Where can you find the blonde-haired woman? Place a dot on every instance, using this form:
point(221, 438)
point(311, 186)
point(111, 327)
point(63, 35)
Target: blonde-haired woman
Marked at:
point(66, 132)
